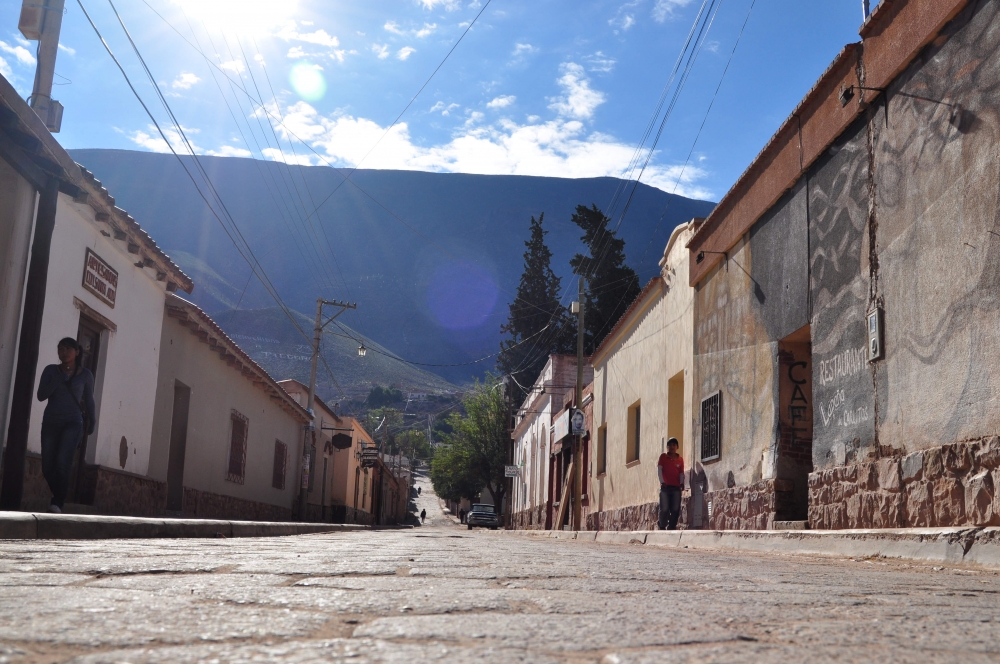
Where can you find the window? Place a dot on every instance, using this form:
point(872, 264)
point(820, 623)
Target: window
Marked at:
point(634, 430)
point(237, 446)
point(711, 427)
point(280, 463)
point(602, 450)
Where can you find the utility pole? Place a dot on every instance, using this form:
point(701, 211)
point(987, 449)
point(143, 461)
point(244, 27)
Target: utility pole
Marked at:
point(309, 431)
point(578, 469)
point(41, 21)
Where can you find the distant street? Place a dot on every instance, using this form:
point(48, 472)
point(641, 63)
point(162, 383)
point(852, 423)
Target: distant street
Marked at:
point(441, 593)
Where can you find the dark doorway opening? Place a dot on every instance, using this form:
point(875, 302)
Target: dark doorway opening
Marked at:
point(793, 461)
point(88, 335)
point(178, 447)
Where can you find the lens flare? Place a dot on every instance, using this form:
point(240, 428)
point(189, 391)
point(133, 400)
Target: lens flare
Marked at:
point(307, 80)
point(461, 295)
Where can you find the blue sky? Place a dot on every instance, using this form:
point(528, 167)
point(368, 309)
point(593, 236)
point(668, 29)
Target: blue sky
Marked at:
point(537, 87)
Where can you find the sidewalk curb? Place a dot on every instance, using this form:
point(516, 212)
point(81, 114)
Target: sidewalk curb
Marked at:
point(976, 546)
point(29, 525)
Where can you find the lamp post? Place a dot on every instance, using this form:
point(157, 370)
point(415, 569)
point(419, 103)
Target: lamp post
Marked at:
point(310, 429)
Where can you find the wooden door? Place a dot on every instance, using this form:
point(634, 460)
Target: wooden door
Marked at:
point(178, 447)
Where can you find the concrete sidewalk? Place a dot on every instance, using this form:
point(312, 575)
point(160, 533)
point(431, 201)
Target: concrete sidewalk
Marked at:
point(975, 546)
point(30, 525)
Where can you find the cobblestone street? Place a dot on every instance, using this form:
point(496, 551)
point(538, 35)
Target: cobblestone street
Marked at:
point(442, 593)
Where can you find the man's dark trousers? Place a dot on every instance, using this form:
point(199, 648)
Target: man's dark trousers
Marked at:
point(670, 506)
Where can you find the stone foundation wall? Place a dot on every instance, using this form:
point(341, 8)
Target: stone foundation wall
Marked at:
point(636, 517)
point(530, 519)
point(345, 514)
point(753, 507)
point(951, 485)
point(205, 505)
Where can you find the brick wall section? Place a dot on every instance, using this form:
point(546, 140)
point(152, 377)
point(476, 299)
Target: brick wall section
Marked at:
point(753, 507)
point(951, 485)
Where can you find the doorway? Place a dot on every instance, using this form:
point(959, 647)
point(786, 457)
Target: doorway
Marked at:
point(793, 460)
point(178, 447)
point(88, 335)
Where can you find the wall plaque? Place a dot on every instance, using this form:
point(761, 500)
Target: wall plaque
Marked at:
point(100, 278)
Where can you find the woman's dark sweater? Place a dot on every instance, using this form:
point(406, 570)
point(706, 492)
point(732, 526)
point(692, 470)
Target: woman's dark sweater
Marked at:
point(65, 395)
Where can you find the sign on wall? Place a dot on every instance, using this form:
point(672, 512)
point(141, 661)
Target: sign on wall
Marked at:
point(510, 471)
point(100, 279)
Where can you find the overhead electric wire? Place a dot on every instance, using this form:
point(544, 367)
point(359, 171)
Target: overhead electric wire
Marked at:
point(254, 265)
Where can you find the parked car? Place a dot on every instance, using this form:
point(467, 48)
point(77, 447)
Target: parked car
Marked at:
point(482, 516)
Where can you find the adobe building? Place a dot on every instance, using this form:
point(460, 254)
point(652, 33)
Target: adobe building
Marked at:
point(93, 275)
point(539, 450)
point(226, 438)
point(847, 291)
point(642, 395)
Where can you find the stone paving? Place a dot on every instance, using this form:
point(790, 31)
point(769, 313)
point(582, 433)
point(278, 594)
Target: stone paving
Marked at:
point(442, 593)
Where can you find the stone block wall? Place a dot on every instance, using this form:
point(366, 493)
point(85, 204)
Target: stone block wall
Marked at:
point(951, 485)
point(530, 519)
point(205, 505)
point(753, 507)
point(636, 517)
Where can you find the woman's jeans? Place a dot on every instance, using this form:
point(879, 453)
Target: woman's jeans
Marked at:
point(61, 436)
point(670, 507)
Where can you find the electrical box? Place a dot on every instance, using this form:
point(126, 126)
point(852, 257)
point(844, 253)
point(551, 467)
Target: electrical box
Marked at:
point(574, 308)
point(876, 351)
point(31, 20)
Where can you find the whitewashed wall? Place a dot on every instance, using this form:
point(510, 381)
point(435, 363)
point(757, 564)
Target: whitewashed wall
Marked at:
point(129, 357)
point(655, 346)
point(216, 389)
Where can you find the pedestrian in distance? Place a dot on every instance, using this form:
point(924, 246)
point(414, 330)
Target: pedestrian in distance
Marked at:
point(418, 490)
point(670, 469)
point(68, 417)
point(423, 515)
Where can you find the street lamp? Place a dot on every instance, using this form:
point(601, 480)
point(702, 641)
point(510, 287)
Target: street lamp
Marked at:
point(362, 350)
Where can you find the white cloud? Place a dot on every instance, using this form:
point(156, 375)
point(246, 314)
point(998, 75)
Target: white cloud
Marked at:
point(393, 27)
point(599, 62)
point(289, 32)
point(230, 151)
point(503, 101)
point(235, 66)
point(443, 108)
point(664, 9)
point(381, 50)
point(259, 58)
point(184, 81)
point(405, 52)
point(20, 53)
point(558, 147)
point(447, 5)
point(152, 141)
point(579, 100)
point(275, 154)
point(295, 53)
point(67, 49)
point(5, 69)
point(425, 31)
point(522, 49)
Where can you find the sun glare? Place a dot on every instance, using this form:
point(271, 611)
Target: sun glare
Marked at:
point(307, 80)
point(240, 16)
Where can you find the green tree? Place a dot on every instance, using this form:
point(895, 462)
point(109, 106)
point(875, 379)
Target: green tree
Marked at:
point(475, 454)
point(537, 323)
point(611, 285)
point(383, 424)
point(413, 443)
point(379, 397)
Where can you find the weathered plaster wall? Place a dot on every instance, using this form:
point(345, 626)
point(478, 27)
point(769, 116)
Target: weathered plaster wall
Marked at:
point(653, 346)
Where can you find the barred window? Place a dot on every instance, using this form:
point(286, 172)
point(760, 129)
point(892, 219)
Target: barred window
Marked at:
point(239, 426)
point(633, 433)
point(711, 427)
point(280, 464)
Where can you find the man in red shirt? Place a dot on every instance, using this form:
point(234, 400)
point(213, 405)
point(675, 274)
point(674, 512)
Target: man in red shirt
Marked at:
point(670, 469)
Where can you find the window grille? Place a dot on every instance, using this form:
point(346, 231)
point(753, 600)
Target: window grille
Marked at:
point(711, 427)
point(237, 447)
point(280, 464)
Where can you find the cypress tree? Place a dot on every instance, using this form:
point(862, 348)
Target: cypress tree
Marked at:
point(536, 325)
point(611, 285)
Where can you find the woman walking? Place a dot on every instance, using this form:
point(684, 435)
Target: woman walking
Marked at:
point(68, 418)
